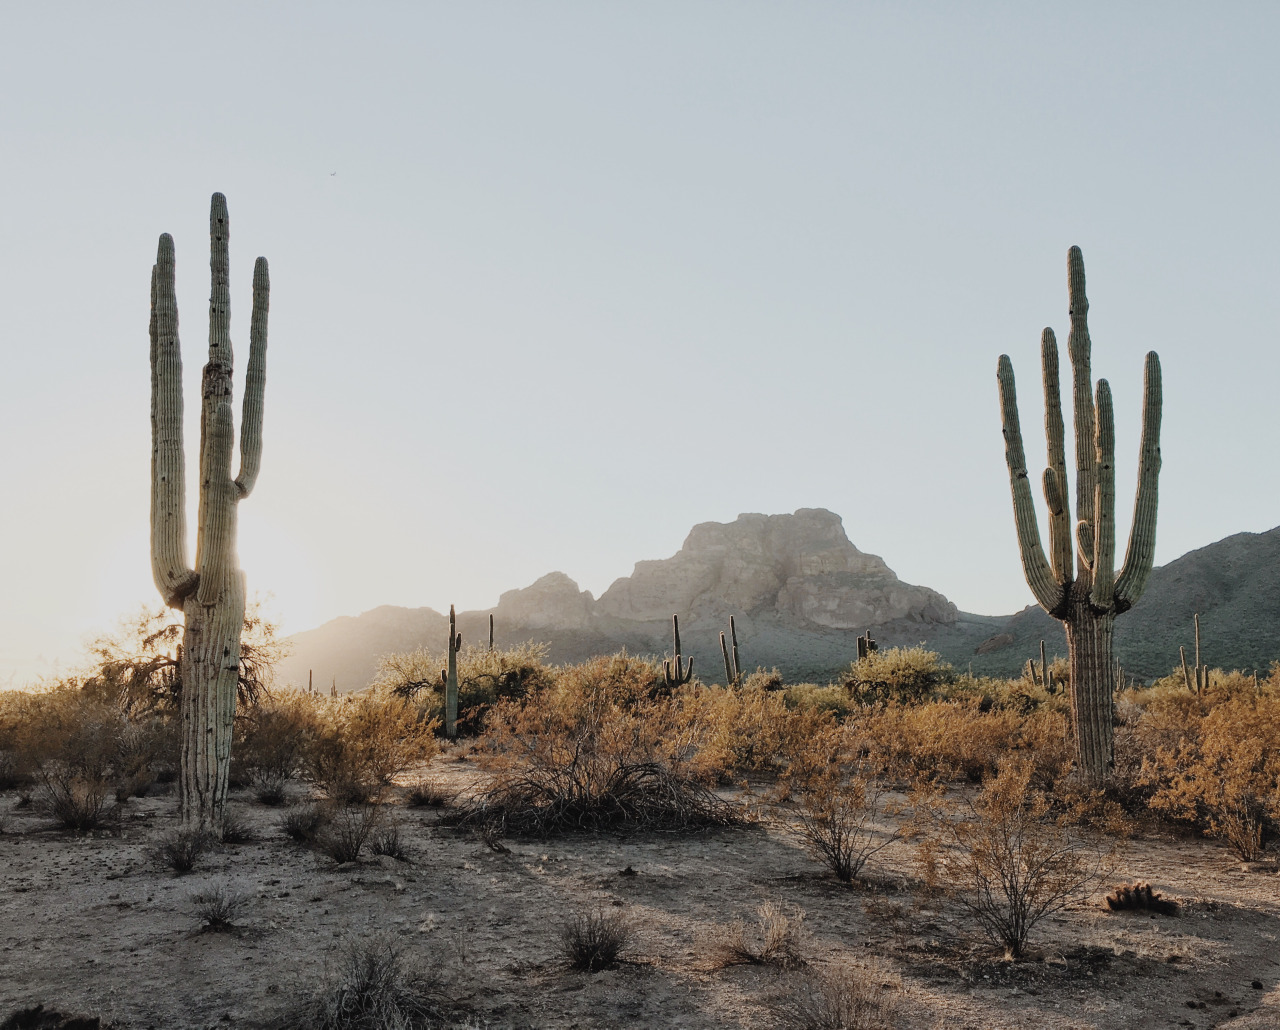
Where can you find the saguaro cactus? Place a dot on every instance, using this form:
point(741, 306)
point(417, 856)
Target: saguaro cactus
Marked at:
point(211, 595)
point(1085, 595)
point(678, 672)
point(449, 678)
point(732, 667)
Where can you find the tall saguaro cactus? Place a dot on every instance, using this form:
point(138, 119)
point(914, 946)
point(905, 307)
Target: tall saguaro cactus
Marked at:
point(211, 595)
point(1083, 590)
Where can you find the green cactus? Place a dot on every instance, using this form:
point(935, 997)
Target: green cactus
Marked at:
point(732, 669)
point(211, 595)
point(449, 678)
point(1088, 597)
point(682, 672)
point(866, 645)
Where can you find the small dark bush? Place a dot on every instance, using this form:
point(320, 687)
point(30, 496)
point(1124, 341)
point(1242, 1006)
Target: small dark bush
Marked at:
point(372, 990)
point(217, 906)
point(40, 1018)
point(593, 940)
point(270, 791)
point(76, 802)
point(427, 793)
point(236, 829)
point(181, 849)
point(1140, 897)
point(345, 835)
point(386, 840)
point(304, 823)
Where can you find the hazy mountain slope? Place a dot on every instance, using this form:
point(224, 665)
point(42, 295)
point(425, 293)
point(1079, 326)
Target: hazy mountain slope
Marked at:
point(802, 593)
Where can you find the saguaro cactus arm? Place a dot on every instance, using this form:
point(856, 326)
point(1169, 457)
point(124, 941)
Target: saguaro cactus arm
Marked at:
point(174, 578)
point(1101, 593)
point(1080, 348)
point(1039, 573)
point(254, 382)
point(1140, 554)
point(1055, 476)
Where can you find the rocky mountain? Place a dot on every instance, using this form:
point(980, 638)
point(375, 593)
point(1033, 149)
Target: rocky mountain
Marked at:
point(801, 593)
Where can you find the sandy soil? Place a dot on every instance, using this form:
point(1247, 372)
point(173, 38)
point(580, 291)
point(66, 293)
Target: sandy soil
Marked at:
point(91, 925)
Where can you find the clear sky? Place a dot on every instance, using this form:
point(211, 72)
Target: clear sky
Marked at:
point(552, 282)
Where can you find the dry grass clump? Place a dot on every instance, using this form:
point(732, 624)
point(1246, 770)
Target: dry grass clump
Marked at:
point(361, 741)
point(235, 829)
point(849, 999)
point(1140, 897)
point(217, 906)
point(776, 939)
point(348, 828)
point(600, 749)
point(388, 840)
point(592, 941)
point(1009, 862)
point(371, 989)
point(180, 850)
point(837, 823)
point(429, 793)
point(305, 822)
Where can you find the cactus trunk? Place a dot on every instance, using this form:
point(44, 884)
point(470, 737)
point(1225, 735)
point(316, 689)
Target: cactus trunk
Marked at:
point(211, 595)
point(1089, 640)
point(451, 678)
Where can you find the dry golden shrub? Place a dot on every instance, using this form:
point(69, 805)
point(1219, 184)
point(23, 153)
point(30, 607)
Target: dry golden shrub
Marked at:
point(1218, 768)
point(272, 737)
point(1008, 860)
point(838, 820)
point(603, 746)
point(360, 742)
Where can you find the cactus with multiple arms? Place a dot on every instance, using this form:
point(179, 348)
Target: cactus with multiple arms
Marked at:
point(211, 595)
point(1085, 595)
point(682, 672)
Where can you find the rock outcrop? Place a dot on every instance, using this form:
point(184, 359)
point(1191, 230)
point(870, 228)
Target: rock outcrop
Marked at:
point(800, 567)
point(552, 602)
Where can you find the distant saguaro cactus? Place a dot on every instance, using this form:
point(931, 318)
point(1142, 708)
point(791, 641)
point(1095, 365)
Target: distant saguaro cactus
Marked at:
point(1086, 598)
point(732, 667)
point(211, 595)
point(449, 678)
point(677, 673)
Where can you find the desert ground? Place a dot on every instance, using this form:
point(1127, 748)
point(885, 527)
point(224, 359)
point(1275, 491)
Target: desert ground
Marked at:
point(93, 925)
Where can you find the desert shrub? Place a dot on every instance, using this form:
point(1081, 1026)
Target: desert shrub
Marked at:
point(428, 793)
point(748, 729)
point(348, 827)
point(1010, 863)
point(837, 823)
point(484, 678)
point(1218, 768)
point(813, 698)
point(180, 850)
point(776, 939)
point(850, 999)
point(906, 675)
point(593, 751)
point(362, 741)
point(235, 829)
point(270, 741)
point(371, 989)
point(591, 941)
point(388, 840)
point(1140, 897)
point(305, 822)
point(217, 906)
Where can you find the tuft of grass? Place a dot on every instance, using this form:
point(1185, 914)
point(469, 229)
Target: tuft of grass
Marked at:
point(776, 940)
point(592, 941)
point(270, 791)
point(217, 905)
point(371, 990)
point(429, 793)
point(304, 823)
point(181, 849)
point(851, 999)
point(236, 829)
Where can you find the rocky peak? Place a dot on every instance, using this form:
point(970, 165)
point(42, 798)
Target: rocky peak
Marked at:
point(554, 602)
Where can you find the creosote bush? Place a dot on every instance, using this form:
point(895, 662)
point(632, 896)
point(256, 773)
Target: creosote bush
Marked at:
point(1009, 862)
point(592, 941)
point(907, 675)
point(348, 828)
point(305, 822)
point(180, 850)
point(837, 823)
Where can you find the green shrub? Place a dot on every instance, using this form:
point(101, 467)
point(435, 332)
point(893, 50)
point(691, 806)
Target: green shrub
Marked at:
point(907, 675)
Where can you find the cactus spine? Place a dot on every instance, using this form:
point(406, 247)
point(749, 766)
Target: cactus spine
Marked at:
point(211, 595)
point(682, 672)
point(732, 669)
point(1088, 597)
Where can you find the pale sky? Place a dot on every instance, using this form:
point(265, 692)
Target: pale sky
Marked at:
point(552, 282)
